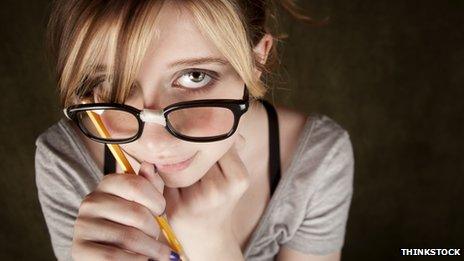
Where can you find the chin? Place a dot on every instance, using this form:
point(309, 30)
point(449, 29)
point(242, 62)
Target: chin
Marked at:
point(180, 179)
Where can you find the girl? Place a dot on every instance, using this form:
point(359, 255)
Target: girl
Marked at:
point(178, 85)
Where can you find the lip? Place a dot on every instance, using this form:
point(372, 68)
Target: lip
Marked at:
point(175, 166)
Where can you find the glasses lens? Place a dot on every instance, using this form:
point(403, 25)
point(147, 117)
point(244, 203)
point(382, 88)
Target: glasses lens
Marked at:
point(118, 124)
point(202, 122)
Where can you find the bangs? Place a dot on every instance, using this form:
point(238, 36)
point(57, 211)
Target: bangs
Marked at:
point(102, 44)
point(222, 22)
point(109, 42)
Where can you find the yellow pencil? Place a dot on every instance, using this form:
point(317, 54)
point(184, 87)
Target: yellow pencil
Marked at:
point(127, 168)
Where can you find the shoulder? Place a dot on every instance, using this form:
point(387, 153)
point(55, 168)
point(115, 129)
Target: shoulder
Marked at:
point(60, 157)
point(323, 152)
point(329, 139)
point(312, 138)
point(291, 124)
point(59, 142)
point(328, 152)
point(314, 193)
point(54, 145)
point(293, 121)
point(325, 137)
point(55, 138)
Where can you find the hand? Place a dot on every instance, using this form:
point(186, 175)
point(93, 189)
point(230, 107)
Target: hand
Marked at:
point(116, 221)
point(201, 213)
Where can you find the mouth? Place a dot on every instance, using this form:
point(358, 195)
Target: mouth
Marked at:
point(176, 166)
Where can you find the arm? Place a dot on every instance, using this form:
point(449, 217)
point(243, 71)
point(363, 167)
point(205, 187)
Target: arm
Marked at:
point(58, 213)
point(320, 236)
point(60, 191)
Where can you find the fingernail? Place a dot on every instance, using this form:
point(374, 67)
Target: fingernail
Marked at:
point(174, 256)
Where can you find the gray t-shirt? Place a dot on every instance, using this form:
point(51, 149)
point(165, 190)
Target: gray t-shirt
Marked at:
point(307, 212)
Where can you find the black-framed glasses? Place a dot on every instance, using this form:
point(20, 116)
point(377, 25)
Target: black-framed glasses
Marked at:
point(198, 120)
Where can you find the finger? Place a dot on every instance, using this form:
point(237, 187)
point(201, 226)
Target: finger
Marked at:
point(133, 188)
point(88, 250)
point(189, 193)
point(240, 142)
point(128, 238)
point(213, 182)
point(119, 210)
point(149, 172)
point(213, 174)
point(232, 166)
point(172, 196)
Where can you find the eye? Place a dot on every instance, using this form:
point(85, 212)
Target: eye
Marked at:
point(193, 80)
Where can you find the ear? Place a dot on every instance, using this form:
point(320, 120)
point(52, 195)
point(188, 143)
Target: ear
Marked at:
point(262, 49)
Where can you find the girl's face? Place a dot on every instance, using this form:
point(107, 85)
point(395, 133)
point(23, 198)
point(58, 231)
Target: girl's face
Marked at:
point(180, 65)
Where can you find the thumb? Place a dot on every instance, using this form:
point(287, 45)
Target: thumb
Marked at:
point(149, 172)
point(172, 196)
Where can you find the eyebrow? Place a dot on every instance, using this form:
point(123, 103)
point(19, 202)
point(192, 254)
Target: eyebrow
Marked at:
point(198, 61)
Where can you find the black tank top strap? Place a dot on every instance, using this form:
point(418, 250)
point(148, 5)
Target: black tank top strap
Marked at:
point(274, 149)
point(274, 146)
point(110, 162)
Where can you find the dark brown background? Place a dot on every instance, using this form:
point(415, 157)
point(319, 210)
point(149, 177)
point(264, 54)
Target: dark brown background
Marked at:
point(390, 72)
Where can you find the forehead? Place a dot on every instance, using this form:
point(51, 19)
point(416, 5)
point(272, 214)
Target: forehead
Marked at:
point(177, 38)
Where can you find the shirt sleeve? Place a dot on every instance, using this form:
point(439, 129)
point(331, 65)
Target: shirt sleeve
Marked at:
point(60, 191)
point(323, 228)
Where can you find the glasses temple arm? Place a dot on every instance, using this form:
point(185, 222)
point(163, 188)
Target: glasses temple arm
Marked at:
point(245, 93)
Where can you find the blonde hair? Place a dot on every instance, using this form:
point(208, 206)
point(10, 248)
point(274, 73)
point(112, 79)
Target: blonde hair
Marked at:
point(84, 35)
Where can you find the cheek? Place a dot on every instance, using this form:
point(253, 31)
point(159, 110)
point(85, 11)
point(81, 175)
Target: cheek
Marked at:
point(202, 122)
point(214, 151)
point(135, 151)
point(119, 124)
point(210, 153)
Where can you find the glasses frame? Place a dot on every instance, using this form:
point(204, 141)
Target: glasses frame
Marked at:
point(238, 108)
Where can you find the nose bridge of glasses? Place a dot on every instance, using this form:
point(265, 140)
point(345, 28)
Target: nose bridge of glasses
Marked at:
point(153, 116)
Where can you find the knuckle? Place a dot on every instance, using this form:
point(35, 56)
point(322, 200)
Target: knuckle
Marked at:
point(140, 214)
point(88, 198)
point(76, 250)
point(239, 186)
point(107, 254)
point(79, 227)
point(82, 227)
point(162, 205)
point(162, 249)
point(137, 210)
point(214, 196)
point(243, 182)
point(213, 192)
point(129, 237)
point(108, 178)
point(134, 184)
point(241, 179)
point(89, 201)
point(157, 203)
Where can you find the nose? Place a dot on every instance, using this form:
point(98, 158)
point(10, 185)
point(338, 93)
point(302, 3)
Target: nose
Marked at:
point(157, 140)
